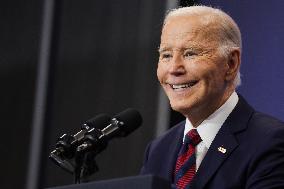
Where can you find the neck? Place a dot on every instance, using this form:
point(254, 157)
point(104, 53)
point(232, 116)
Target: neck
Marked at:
point(197, 117)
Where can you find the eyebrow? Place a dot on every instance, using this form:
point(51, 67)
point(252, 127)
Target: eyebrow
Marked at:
point(194, 47)
point(163, 49)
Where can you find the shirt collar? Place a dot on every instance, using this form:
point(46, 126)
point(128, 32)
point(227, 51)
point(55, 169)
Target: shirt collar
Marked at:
point(209, 128)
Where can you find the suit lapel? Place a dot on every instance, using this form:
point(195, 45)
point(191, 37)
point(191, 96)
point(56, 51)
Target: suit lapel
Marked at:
point(171, 151)
point(224, 143)
point(221, 148)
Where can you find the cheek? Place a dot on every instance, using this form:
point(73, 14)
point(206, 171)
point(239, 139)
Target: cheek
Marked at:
point(210, 69)
point(160, 72)
point(214, 79)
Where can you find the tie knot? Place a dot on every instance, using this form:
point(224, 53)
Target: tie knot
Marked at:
point(192, 137)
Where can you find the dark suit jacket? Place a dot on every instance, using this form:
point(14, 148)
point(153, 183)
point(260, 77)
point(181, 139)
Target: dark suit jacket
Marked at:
point(254, 157)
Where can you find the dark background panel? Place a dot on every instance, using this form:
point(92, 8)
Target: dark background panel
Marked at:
point(106, 62)
point(19, 37)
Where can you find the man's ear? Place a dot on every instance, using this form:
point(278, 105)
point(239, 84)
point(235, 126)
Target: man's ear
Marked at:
point(234, 62)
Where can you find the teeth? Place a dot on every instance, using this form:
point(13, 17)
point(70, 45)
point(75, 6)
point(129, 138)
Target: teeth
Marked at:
point(182, 86)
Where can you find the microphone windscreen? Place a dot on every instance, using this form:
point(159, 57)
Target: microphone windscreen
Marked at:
point(131, 119)
point(99, 122)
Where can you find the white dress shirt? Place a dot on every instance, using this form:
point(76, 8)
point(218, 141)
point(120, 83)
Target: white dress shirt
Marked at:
point(210, 127)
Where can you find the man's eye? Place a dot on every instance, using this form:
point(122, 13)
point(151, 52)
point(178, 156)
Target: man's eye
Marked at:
point(166, 55)
point(190, 54)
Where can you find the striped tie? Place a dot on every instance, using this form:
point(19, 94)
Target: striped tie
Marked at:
point(186, 161)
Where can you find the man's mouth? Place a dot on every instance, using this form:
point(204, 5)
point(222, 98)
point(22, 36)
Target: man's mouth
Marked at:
point(183, 85)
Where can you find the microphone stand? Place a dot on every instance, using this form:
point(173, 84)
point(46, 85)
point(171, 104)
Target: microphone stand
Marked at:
point(79, 158)
point(82, 165)
point(85, 165)
point(79, 161)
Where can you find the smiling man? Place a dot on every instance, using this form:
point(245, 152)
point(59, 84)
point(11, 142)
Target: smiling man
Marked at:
point(223, 143)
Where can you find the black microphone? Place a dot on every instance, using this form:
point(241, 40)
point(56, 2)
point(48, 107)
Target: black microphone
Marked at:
point(66, 145)
point(121, 125)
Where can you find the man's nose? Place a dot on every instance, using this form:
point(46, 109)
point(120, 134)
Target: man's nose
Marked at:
point(177, 66)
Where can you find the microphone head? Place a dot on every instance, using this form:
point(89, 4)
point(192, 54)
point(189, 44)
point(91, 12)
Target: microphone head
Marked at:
point(99, 122)
point(130, 120)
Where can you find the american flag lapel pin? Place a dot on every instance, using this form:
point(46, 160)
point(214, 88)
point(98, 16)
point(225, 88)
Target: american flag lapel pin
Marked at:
point(222, 150)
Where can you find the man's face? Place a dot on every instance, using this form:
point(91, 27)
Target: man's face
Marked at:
point(191, 69)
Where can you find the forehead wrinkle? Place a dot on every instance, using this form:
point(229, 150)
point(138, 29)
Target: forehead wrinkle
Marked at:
point(185, 45)
point(183, 41)
point(195, 37)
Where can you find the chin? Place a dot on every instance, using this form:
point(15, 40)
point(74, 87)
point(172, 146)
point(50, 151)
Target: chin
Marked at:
point(181, 108)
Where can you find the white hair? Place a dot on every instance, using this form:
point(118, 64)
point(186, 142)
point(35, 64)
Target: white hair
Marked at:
point(227, 31)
